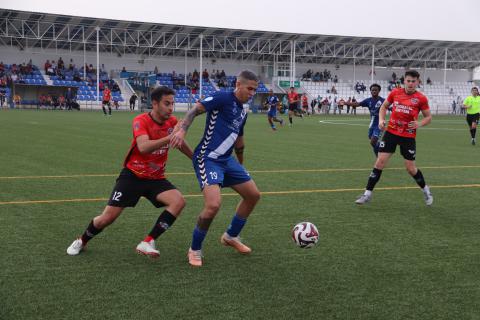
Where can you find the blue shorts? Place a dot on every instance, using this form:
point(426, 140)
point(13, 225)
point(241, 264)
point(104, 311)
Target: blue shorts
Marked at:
point(226, 173)
point(374, 131)
point(272, 114)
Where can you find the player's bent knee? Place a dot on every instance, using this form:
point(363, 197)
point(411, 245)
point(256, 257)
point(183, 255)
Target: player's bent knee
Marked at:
point(212, 207)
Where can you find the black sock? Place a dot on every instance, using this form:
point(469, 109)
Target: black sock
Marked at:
point(373, 179)
point(473, 132)
point(109, 110)
point(90, 232)
point(419, 179)
point(104, 110)
point(164, 221)
point(290, 119)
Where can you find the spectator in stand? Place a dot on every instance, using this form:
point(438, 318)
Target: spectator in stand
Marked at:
point(123, 69)
point(222, 74)
point(61, 64)
point(155, 70)
point(2, 98)
point(62, 102)
point(333, 90)
point(363, 88)
point(17, 100)
point(195, 75)
point(2, 67)
point(76, 77)
point(101, 86)
point(429, 82)
point(115, 87)
point(205, 75)
point(340, 104)
point(394, 77)
point(354, 106)
point(14, 77)
point(313, 103)
point(335, 79)
point(71, 66)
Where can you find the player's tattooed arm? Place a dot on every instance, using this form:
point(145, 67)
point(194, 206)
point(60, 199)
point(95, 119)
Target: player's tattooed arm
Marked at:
point(191, 114)
point(178, 138)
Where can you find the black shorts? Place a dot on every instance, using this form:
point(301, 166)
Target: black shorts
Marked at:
point(104, 102)
point(389, 143)
point(292, 107)
point(129, 188)
point(471, 118)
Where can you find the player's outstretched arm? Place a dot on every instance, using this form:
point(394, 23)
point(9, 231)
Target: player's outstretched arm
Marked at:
point(382, 113)
point(239, 147)
point(186, 150)
point(145, 145)
point(178, 138)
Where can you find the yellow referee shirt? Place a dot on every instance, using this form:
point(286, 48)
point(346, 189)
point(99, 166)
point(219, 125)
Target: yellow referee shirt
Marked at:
point(473, 103)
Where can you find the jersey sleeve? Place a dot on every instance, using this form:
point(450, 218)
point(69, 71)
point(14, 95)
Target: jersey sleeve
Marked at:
point(424, 105)
point(139, 127)
point(467, 101)
point(391, 96)
point(240, 133)
point(214, 102)
point(365, 103)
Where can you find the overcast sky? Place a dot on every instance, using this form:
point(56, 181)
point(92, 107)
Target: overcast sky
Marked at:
point(406, 19)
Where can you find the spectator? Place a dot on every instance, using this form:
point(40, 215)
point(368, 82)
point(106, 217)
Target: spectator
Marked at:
point(17, 100)
point(155, 70)
point(429, 82)
point(71, 66)
point(69, 99)
point(61, 64)
point(123, 69)
point(333, 90)
point(205, 75)
point(454, 107)
point(2, 98)
point(132, 101)
point(394, 77)
point(335, 79)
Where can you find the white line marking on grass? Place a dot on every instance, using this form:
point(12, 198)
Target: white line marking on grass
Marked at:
point(20, 202)
point(251, 171)
point(362, 125)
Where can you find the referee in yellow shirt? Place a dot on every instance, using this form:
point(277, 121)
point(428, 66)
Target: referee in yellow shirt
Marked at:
point(472, 105)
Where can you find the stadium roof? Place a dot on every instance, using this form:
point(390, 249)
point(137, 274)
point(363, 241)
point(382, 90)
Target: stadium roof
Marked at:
point(44, 30)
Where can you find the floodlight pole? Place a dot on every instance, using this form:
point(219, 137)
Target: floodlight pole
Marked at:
point(373, 63)
point(445, 71)
point(84, 63)
point(98, 63)
point(354, 71)
point(201, 65)
point(186, 68)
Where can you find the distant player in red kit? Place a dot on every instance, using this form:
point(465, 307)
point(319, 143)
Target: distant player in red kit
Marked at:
point(406, 103)
point(144, 175)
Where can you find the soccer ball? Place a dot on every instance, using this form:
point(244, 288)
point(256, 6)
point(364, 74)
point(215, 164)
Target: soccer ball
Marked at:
point(305, 234)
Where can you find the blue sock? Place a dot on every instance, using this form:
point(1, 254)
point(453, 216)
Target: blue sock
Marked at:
point(197, 238)
point(236, 225)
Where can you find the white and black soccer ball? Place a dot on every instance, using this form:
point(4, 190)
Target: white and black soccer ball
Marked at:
point(305, 234)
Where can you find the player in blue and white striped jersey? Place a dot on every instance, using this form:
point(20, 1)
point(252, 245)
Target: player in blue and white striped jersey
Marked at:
point(215, 166)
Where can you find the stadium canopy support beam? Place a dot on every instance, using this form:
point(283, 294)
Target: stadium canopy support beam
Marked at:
point(201, 66)
point(186, 67)
point(84, 63)
point(354, 71)
point(373, 64)
point(445, 70)
point(98, 63)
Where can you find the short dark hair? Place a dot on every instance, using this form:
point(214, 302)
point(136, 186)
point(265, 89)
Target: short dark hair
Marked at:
point(474, 88)
point(160, 91)
point(412, 73)
point(375, 85)
point(247, 75)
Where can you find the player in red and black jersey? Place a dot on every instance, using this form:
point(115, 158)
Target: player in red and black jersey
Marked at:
point(406, 104)
point(143, 174)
